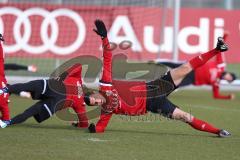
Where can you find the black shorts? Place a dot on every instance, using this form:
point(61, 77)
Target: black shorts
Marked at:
point(157, 101)
point(43, 111)
point(46, 89)
point(188, 79)
point(47, 108)
point(51, 101)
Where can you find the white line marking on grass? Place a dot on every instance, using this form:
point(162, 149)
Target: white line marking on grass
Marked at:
point(97, 140)
point(214, 108)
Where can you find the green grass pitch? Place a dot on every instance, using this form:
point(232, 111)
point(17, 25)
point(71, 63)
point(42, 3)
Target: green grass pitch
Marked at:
point(136, 138)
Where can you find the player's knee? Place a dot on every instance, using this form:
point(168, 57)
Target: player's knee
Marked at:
point(187, 117)
point(185, 68)
point(181, 115)
point(179, 73)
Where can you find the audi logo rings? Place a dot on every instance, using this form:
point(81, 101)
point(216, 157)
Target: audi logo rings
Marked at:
point(49, 19)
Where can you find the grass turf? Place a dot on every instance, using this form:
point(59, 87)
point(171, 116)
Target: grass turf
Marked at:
point(149, 137)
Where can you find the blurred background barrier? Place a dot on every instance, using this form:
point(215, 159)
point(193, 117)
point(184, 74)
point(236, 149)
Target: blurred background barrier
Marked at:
point(48, 32)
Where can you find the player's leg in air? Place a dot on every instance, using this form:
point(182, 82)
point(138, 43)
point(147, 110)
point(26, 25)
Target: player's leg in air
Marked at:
point(16, 67)
point(36, 88)
point(28, 89)
point(178, 74)
point(170, 64)
point(3, 97)
point(189, 79)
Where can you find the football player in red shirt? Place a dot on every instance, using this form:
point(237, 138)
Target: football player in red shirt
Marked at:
point(208, 74)
point(137, 97)
point(4, 97)
point(53, 94)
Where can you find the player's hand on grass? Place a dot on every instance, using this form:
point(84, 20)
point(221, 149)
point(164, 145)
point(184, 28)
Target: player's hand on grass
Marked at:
point(80, 124)
point(1, 37)
point(101, 28)
point(92, 128)
point(75, 124)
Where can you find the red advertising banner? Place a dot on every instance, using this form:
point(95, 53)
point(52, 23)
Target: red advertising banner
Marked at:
point(59, 31)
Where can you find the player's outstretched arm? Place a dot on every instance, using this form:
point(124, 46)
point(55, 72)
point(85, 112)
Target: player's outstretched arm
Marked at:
point(80, 110)
point(107, 54)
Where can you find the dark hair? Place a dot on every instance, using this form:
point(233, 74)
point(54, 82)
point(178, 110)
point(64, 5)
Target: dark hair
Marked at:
point(87, 93)
point(234, 77)
point(87, 100)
